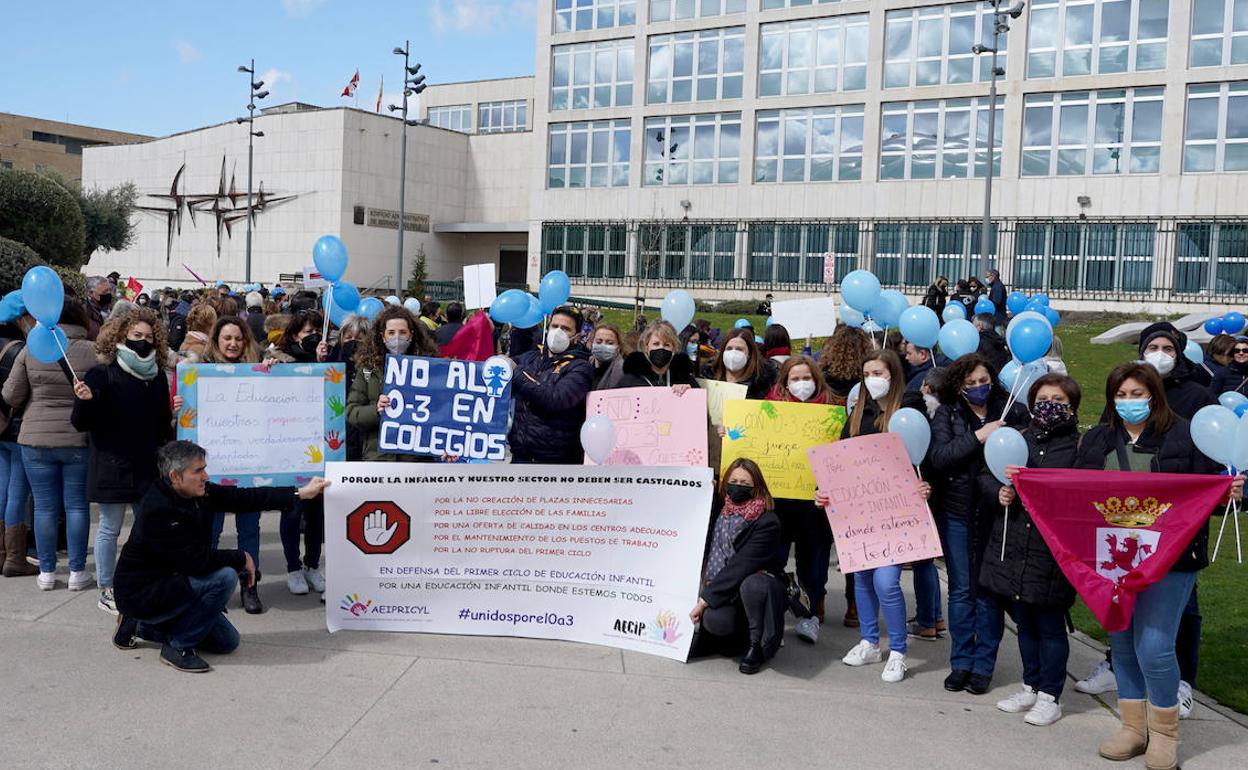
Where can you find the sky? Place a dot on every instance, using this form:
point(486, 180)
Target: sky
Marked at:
point(158, 67)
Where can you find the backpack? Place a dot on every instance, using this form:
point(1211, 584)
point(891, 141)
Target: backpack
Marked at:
point(10, 419)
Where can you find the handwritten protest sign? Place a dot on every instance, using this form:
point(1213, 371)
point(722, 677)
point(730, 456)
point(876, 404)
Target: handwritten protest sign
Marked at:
point(775, 434)
point(876, 513)
point(717, 393)
point(442, 407)
point(653, 426)
point(263, 427)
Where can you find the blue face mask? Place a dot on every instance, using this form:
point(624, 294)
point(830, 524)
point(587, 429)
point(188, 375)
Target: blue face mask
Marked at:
point(691, 350)
point(979, 394)
point(1133, 411)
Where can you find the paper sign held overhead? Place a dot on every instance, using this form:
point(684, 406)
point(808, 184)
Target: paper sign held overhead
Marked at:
point(479, 286)
point(805, 317)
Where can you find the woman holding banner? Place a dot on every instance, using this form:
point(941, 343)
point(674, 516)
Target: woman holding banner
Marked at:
point(659, 361)
point(740, 362)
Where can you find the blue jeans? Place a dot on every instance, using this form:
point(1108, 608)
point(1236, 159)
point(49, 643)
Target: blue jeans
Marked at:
point(880, 589)
point(14, 488)
point(927, 594)
point(111, 517)
point(199, 624)
point(976, 622)
point(1144, 661)
point(58, 478)
point(1043, 645)
point(247, 527)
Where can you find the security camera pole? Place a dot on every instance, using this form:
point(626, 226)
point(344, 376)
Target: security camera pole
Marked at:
point(413, 85)
point(253, 93)
point(1000, 25)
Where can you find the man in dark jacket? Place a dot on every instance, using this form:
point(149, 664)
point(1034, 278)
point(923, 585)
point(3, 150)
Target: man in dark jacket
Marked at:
point(255, 315)
point(918, 363)
point(549, 386)
point(454, 322)
point(991, 345)
point(171, 585)
point(1162, 345)
point(996, 293)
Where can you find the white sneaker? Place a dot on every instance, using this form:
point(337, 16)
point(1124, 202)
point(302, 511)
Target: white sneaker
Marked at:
point(1185, 700)
point(808, 630)
point(895, 668)
point(1101, 680)
point(1045, 712)
point(296, 582)
point(315, 580)
point(863, 653)
point(1019, 702)
point(46, 581)
point(107, 603)
point(81, 580)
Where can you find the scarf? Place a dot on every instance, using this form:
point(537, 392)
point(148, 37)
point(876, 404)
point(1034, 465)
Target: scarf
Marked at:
point(143, 368)
point(749, 511)
point(780, 351)
point(197, 336)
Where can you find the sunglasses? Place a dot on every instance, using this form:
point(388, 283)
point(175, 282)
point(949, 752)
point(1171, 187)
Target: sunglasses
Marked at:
point(1241, 351)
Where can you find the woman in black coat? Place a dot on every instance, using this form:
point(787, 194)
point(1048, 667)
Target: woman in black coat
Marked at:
point(742, 591)
point(659, 361)
point(1019, 568)
point(972, 407)
point(1233, 376)
point(123, 406)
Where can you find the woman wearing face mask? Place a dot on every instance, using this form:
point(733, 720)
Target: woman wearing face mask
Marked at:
point(659, 361)
point(1018, 566)
point(740, 362)
point(878, 590)
point(972, 407)
point(122, 405)
point(301, 341)
point(606, 350)
point(1140, 432)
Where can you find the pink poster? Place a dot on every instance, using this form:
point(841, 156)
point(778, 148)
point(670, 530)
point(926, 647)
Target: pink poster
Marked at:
point(876, 513)
point(653, 426)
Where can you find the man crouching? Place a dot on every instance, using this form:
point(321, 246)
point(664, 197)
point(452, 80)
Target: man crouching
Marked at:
point(171, 585)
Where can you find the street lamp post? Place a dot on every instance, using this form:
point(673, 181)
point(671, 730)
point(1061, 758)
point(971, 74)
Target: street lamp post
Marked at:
point(1000, 25)
point(254, 93)
point(413, 85)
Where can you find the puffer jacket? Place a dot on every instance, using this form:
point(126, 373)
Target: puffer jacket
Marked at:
point(1173, 452)
point(1028, 574)
point(1184, 390)
point(1229, 378)
point(549, 394)
point(362, 415)
point(45, 393)
point(956, 455)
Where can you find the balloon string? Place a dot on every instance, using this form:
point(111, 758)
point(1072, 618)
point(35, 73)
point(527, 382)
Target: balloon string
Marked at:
point(326, 293)
point(1239, 553)
point(1010, 401)
point(1005, 531)
point(65, 355)
point(1222, 529)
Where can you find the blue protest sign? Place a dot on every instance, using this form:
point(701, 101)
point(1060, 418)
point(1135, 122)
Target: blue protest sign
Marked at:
point(441, 407)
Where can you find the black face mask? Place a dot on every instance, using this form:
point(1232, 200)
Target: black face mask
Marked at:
point(310, 342)
point(141, 348)
point(106, 300)
point(660, 357)
point(738, 493)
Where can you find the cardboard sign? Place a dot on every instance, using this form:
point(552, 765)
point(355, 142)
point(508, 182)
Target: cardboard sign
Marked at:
point(806, 317)
point(717, 393)
point(653, 426)
point(776, 435)
point(441, 407)
point(479, 286)
point(876, 513)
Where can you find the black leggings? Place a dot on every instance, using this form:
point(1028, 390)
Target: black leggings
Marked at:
point(312, 513)
point(758, 611)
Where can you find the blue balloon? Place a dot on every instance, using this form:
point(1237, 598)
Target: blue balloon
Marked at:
point(860, 290)
point(920, 326)
point(532, 315)
point(555, 290)
point(1214, 326)
point(346, 296)
point(743, 323)
point(1030, 339)
point(677, 309)
point(1035, 306)
point(914, 429)
point(509, 306)
point(1005, 446)
point(336, 314)
point(1040, 297)
point(954, 311)
point(888, 308)
point(851, 317)
point(1193, 353)
point(42, 343)
point(1232, 323)
point(369, 308)
point(1016, 302)
point(768, 322)
point(958, 338)
point(1213, 431)
point(984, 305)
point(1240, 410)
point(1053, 316)
point(329, 254)
point(1232, 398)
point(44, 294)
point(1009, 373)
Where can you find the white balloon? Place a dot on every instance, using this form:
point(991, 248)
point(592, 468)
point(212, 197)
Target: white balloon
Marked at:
point(413, 305)
point(598, 438)
point(393, 300)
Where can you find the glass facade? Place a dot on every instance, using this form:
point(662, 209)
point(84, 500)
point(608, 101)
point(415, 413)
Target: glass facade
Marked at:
point(819, 56)
point(931, 46)
point(790, 252)
point(1212, 258)
point(1085, 255)
point(501, 117)
point(820, 144)
point(693, 149)
point(696, 66)
point(456, 117)
point(584, 250)
point(914, 253)
point(767, 5)
point(677, 251)
point(935, 139)
point(668, 10)
point(1215, 137)
point(588, 154)
point(1098, 132)
point(1219, 33)
point(591, 75)
point(573, 15)
point(1095, 37)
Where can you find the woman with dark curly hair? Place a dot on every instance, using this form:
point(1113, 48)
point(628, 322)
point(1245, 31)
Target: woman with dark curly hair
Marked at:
point(301, 341)
point(841, 361)
point(123, 406)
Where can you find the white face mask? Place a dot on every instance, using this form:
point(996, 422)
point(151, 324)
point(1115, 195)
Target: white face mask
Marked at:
point(557, 340)
point(877, 386)
point(802, 389)
point(1162, 362)
point(735, 360)
point(930, 402)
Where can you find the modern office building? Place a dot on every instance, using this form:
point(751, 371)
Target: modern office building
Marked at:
point(35, 144)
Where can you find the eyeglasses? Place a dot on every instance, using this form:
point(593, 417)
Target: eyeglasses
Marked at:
point(1241, 351)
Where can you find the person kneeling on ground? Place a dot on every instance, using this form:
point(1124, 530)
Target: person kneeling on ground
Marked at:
point(171, 585)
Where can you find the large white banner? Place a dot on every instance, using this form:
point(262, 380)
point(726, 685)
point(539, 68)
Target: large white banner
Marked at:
point(607, 555)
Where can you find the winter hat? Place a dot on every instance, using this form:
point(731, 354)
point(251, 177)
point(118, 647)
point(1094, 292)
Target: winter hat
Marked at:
point(1163, 329)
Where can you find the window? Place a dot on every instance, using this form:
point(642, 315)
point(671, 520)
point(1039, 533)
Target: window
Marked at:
point(497, 117)
point(1219, 33)
point(688, 252)
point(588, 154)
point(72, 145)
point(593, 14)
point(790, 252)
point(819, 56)
point(701, 66)
point(931, 46)
point(934, 139)
point(821, 144)
point(457, 117)
point(1081, 256)
point(769, 4)
point(667, 10)
point(1216, 135)
point(589, 251)
point(6, 164)
point(1101, 132)
point(914, 253)
point(1212, 253)
point(591, 75)
point(1090, 37)
point(693, 149)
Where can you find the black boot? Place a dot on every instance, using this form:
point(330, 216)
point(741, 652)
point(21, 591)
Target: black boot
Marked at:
point(752, 661)
point(250, 596)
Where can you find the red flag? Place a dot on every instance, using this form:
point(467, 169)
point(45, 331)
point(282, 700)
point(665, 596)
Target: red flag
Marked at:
point(134, 286)
point(351, 85)
point(380, 86)
point(474, 342)
point(1115, 533)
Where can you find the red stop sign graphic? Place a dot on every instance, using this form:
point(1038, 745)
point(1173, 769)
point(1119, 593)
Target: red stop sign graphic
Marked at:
point(379, 527)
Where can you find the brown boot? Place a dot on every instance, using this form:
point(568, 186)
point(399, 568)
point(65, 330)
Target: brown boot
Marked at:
point(1132, 737)
point(15, 553)
point(1163, 739)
